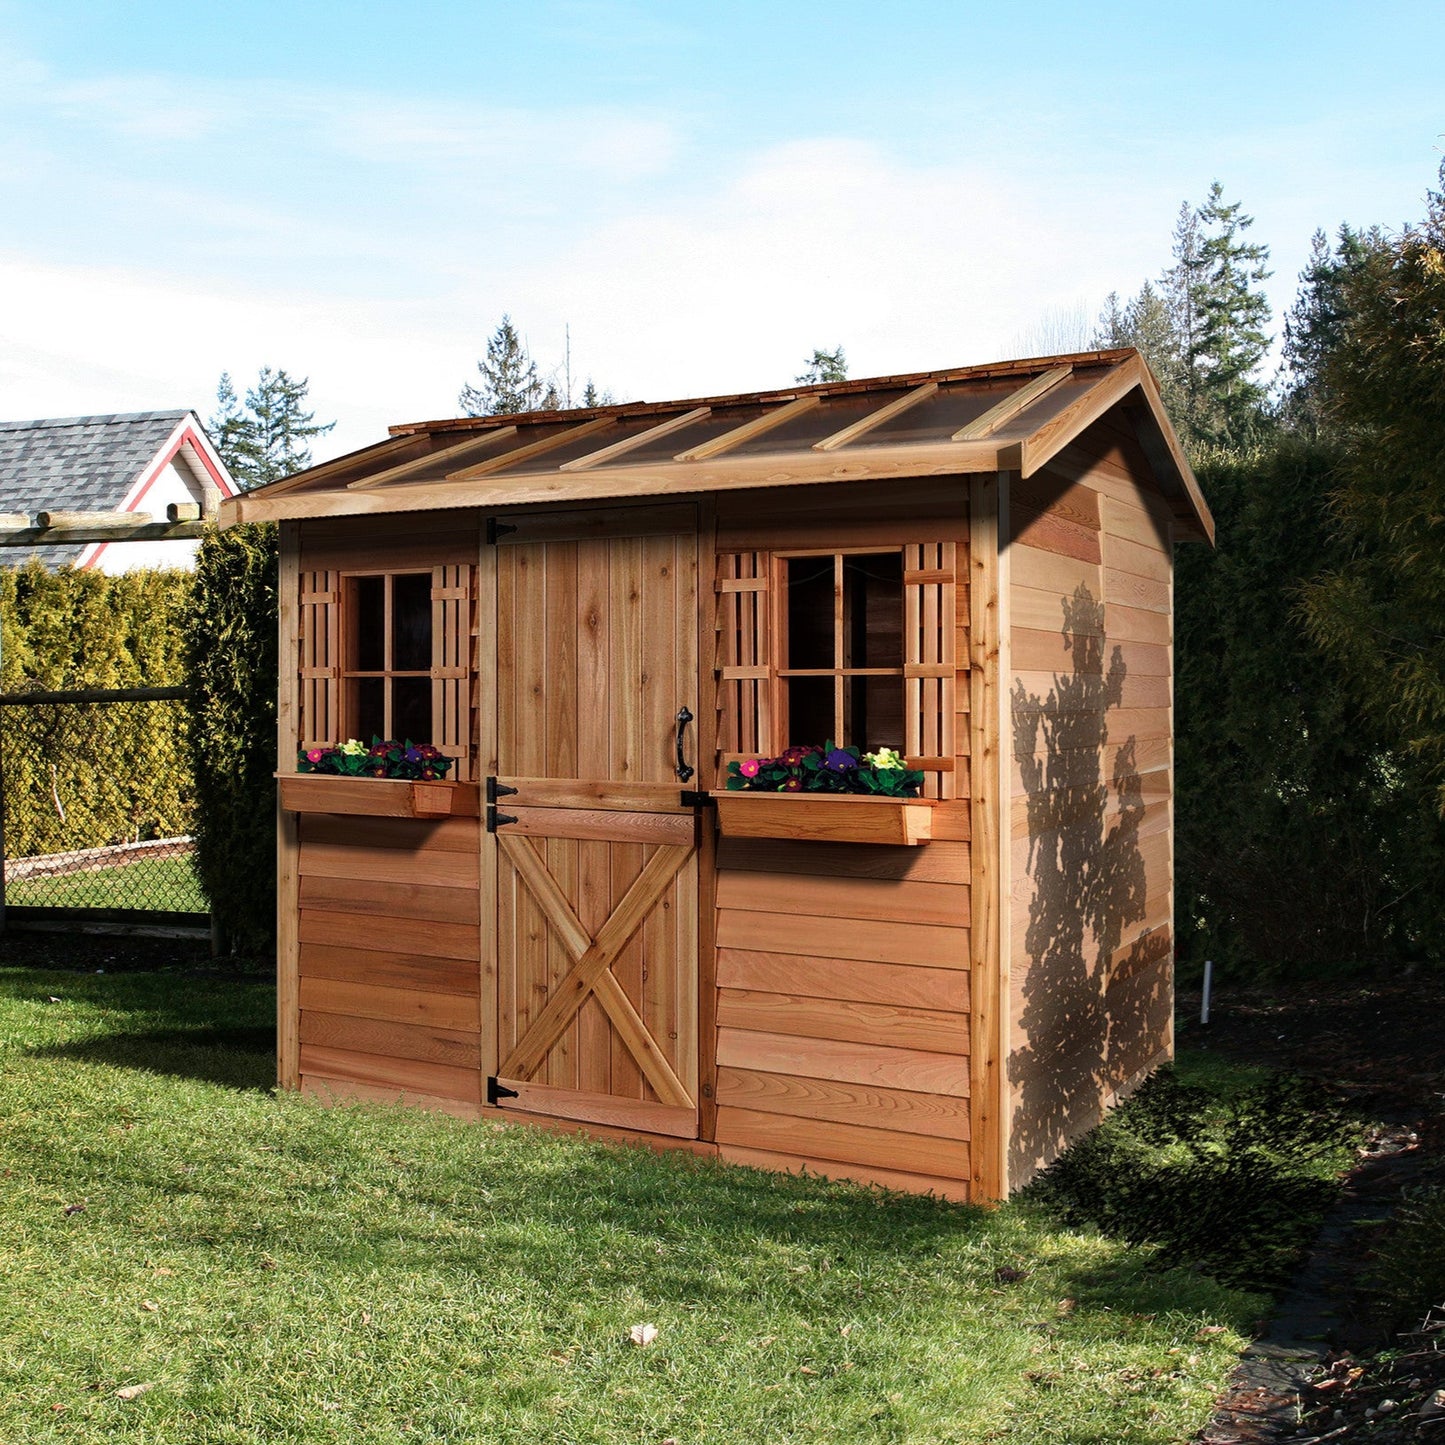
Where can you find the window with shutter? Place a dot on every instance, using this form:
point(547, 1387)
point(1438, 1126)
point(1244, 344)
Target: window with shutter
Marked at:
point(854, 647)
point(389, 655)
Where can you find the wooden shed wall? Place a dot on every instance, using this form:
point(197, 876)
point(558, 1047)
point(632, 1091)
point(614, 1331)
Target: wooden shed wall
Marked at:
point(842, 973)
point(1091, 836)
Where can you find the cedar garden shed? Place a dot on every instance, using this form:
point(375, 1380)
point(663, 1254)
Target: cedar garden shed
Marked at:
point(594, 612)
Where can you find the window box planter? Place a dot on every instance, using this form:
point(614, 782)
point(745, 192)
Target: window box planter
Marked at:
point(825, 817)
point(377, 797)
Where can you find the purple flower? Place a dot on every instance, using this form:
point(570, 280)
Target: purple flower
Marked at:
point(793, 785)
point(840, 760)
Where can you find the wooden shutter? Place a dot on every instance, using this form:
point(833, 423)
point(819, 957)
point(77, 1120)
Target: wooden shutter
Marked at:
point(745, 656)
point(320, 660)
point(930, 666)
point(454, 678)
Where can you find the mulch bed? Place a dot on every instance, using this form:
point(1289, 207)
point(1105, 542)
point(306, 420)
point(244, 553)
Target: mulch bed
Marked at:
point(1379, 1046)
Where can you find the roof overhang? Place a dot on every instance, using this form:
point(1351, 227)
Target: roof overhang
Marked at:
point(1015, 416)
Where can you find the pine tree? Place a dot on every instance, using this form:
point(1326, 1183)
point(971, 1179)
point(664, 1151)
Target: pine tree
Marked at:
point(825, 366)
point(1230, 314)
point(1146, 324)
point(268, 438)
point(510, 383)
point(1315, 325)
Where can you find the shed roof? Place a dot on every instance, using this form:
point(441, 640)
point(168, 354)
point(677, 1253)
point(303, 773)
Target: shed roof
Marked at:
point(1012, 415)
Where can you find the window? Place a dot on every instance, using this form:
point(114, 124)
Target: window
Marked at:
point(389, 654)
point(841, 663)
point(387, 679)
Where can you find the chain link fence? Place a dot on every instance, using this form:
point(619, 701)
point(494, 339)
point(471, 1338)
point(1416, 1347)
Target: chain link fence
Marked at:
point(99, 804)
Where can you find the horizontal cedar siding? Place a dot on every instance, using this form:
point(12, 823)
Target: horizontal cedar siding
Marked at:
point(1092, 900)
point(389, 961)
point(842, 1010)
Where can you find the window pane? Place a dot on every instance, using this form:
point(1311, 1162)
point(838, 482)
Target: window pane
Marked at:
point(368, 718)
point(810, 711)
point(368, 624)
point(873, 712)
point(873, 610)
point(411, 709)
point(411, 622)
point(810, 612)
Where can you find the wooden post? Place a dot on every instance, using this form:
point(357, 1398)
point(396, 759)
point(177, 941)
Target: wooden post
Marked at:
point(288, 848)
point(989, 938)
point(709, 663)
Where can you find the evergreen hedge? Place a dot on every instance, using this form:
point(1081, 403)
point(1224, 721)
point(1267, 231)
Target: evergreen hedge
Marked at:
point(231, 660)
point(1305, 838)
point(81, 775)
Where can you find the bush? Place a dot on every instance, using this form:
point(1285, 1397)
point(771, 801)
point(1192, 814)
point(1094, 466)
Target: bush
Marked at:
point(86, 775)
point(1305, 839)
point(1233, 1182)
point(1407, 1277)
point(231, 661)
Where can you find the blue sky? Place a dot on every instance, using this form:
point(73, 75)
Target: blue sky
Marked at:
point(703, 193)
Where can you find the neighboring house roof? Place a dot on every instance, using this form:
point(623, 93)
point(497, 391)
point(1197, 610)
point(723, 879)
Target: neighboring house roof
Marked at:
point(98, 464)
point(1012, 416)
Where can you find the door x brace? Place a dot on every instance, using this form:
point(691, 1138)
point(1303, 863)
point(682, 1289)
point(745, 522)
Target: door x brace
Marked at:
point(591, 970)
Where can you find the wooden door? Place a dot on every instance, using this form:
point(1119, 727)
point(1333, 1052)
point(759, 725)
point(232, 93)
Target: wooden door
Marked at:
point(596, 854)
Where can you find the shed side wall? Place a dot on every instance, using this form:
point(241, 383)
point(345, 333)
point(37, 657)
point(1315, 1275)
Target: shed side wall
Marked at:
point(1091, 835)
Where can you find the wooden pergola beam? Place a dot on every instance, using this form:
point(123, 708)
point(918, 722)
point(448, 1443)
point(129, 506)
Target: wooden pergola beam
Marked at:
point(66, 528)
point(404, 471)
point(875, 419)
point(532, 449)
point(629, 444)
point(767, 422)
point(1012, 405)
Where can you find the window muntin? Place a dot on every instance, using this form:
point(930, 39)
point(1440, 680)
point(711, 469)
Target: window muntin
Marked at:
point(388, 650)
point(840, 670)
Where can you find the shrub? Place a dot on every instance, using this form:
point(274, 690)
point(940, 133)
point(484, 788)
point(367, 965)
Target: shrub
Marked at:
point(1233, 1182)
point(231, 662)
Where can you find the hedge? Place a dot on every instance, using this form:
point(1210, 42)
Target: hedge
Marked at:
point(231, 662)
point(82, 776)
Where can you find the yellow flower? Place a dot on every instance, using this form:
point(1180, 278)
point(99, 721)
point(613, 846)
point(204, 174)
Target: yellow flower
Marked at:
point(352, 746)
point(886, 758)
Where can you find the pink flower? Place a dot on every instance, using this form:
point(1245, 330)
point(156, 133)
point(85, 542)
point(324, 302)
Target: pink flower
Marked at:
point(749, 769)
point(314, 756)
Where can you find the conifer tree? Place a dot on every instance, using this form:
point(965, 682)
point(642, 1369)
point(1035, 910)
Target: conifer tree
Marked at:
point(1229, 315)
point(824, 366)
point(269, 437)
point(509, 380)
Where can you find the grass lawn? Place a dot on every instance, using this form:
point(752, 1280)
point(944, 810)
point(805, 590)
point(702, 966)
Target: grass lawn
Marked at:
point(164, 883)
point(284, 1272)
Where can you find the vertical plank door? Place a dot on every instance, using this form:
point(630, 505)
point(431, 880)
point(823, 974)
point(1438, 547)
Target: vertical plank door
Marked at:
point(597, 864)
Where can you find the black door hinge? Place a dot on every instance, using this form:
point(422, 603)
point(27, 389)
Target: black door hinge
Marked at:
point(497, 530)
point(690, 799)
point(497, 790)
point(497, 820)
point(496, 1093)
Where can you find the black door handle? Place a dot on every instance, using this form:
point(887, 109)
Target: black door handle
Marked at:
point(683, 718)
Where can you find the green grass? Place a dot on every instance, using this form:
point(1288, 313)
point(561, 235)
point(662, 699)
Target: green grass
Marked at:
point(164, 883)
point(284, 1272)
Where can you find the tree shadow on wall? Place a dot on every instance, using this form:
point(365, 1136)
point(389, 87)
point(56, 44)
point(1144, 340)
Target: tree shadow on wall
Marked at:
point(1088, 1013)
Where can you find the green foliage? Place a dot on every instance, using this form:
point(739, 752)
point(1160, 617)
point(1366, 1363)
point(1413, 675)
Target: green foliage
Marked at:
point(85, 775)
point(827, 770)
point(509, 383)
point(231, 660)
point(1379, 613)
point(269, 438)
point(1407, 1275)
point(1304, 837)
point(1232, 1181)
point(825, 366)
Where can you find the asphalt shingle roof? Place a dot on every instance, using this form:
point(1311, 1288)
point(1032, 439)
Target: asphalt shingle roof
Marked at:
point(78, 463)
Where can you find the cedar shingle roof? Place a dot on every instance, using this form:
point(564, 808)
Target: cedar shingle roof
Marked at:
point(77, 463)
point(1012, 416)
